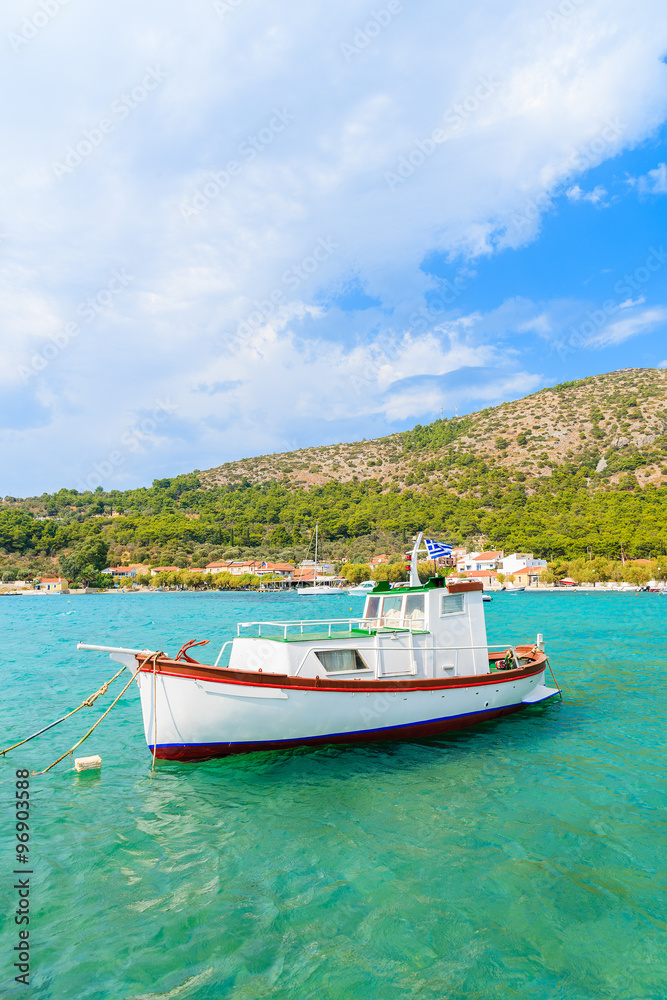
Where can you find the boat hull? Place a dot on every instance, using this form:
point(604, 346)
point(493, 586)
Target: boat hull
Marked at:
point(207, 713)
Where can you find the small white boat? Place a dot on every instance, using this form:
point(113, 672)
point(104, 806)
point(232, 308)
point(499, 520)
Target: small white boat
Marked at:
point(362, 589)
point(416, 664)
point(318, 588)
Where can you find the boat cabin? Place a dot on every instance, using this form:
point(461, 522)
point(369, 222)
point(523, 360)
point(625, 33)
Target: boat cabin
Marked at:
point(433, 630)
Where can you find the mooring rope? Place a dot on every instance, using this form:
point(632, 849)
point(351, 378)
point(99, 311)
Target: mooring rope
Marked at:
point(142, 664)
point(560, 690)
point(77, 745)
point(88, 703)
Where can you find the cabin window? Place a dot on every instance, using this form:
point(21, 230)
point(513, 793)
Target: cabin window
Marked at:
point(335, 661)
point(372, 608)
point(451, 604)
point(414, 610)
point(391, 611)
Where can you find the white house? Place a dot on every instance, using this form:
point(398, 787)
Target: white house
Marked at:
point(479, 561)
point(523, 568)
point(521, 561)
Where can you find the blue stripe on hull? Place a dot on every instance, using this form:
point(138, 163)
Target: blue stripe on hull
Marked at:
point(180, 750)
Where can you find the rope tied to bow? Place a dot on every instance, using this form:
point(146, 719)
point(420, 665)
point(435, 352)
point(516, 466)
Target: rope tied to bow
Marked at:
point(84, 704)
point(142, 663)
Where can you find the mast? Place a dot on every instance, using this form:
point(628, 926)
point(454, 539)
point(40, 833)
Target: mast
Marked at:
point(414, 575)
point(315, 573)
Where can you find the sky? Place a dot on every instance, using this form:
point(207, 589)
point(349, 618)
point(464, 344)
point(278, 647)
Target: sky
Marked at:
point(237, 227)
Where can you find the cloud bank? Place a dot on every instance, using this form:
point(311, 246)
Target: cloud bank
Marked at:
point(188, 198)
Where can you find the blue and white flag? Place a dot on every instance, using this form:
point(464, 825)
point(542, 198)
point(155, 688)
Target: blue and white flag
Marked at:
point(437, 550)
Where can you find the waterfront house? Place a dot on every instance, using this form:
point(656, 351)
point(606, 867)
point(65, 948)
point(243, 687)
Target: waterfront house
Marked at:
point(52, 584)
point(479, 561)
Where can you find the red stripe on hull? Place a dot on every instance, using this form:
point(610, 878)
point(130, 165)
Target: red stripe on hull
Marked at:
point(418, 730)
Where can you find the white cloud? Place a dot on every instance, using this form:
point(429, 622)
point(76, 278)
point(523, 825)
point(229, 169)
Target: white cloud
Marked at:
point(621, 330)
point(595, 197)
point(559, 102)
point(653, 182)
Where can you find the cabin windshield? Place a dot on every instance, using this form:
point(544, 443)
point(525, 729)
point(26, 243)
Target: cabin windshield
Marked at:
point(414, 610)
point(391, 611)
point(396, 611)
point(372, 607)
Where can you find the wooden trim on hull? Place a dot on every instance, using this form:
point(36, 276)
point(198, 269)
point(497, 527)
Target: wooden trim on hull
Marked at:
point(223, 675)
point(417, 730)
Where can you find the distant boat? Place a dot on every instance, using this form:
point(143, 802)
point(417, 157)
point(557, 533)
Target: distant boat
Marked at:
point(362, 588)
point(486, 598)
point(315, 587)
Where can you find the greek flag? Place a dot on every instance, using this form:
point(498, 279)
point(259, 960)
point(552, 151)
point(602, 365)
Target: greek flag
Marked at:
point(436, 550)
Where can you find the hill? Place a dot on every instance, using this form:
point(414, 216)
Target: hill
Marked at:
point(570, 471)
point(608, 424)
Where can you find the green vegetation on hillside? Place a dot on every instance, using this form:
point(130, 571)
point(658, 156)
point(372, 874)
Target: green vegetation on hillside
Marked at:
point(456, 482)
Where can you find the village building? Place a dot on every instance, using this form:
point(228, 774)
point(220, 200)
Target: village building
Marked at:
point(120, 572)
point(479, 561)
point(52, 585)
point(520, 561)
point(487, 577)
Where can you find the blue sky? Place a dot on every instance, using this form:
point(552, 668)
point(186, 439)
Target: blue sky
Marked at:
point(245, 227)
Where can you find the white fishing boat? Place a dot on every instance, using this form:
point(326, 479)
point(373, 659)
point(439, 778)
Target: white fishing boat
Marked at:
point(417, 663)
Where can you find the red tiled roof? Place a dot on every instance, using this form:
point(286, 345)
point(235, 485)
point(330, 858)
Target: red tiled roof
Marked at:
point(488, 555)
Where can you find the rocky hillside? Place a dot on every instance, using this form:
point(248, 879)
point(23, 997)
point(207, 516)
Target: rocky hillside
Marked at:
point(611, 424)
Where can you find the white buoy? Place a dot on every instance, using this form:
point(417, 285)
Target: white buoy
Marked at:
point(540, 641)
point(87, 763)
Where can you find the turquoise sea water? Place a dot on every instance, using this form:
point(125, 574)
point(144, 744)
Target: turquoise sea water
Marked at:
point(522, 859)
